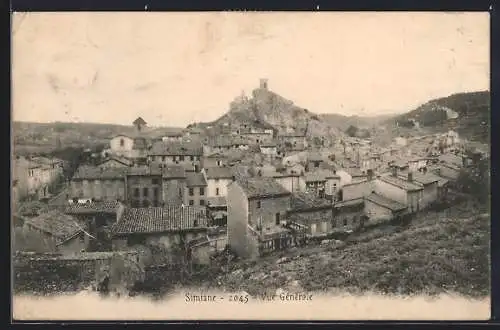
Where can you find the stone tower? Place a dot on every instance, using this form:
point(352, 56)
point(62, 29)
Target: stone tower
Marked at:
point(263, 83)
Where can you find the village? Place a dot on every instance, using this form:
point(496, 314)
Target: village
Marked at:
point(182, 199)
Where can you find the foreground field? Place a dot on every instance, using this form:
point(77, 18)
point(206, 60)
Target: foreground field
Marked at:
point(439, 252)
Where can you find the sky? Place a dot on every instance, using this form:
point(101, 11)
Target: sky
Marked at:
point(173, 69)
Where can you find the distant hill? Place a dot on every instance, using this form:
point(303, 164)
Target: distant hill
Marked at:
point(267, 109)
point(467, 113)
point(343, 122)
point(63, 134)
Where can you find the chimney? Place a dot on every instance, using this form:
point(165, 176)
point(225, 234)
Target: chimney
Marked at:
point(410, 176)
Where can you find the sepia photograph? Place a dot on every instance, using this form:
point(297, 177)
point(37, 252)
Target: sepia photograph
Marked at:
point(250, 166)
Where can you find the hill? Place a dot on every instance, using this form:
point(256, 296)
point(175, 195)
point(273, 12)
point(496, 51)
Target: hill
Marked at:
point(467, 113)
point(42, 137)
point(343, 122)
point(439, 252)
point(267, 109)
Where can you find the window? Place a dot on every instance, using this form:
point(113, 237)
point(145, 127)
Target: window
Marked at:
point(202, 202)
point(277, 219)
point(195, 223)
point(136, 192)
point(181, 158)
point(174, 158)
point(192, 158)
point(156, 192)
point(345, 221)
point(163, 158)
point(191, 192)
point(122, 142)
point(258, 204)
point(219, 163)
point(191, 202)
point(155, 181)
point(145, 192)
point(217, 191)
point(202, 191)
point(180, 192)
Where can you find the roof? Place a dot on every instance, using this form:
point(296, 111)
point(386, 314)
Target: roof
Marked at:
point(121, 160)
point(349, 203)
point(355, 172)
point(139, 121)
point(176, 148)
point(306, 201)
point(314, 157)
point(314, 177)
point(219, 201)
point(173, 172)
point(219, 173)
point(194, 179)
point(262, 187)
point(450, 159)
point(224, 141)
point(32, 208)
point(93, 207)
point(292, 135)
point(87, 172)
point(160, 219)
point(385, 202)
point(216, 155)
point(270, 144)
point(424, 178)
point(400, 183)
point(61, 226)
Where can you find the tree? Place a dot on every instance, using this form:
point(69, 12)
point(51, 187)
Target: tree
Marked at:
point(352, 131)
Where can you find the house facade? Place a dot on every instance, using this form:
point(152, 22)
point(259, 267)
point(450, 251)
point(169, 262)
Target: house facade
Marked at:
point(187, 154)
point(99, 183)
point(217, 179)
point(405, 192)
point(314, 214)
point(166, 231)
point(144, 186)
point(195, 192)
point(256, 213)
point(380, 209)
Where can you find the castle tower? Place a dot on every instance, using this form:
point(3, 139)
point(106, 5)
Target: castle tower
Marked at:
point(263, 83)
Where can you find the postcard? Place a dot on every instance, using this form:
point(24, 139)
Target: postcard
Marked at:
point(250, 166)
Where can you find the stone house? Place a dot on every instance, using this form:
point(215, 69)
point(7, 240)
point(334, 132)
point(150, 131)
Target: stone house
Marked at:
point(177, 153)
point(201, 250)
point(314, 183)
point(128, 146)
point(217, 178)
point(174, 184)
point(358, 189)
point(430, 185)
point(195, 193)
point(166, 231)
point(99, 183)
point(269, 150)
point(381, 209)
point(314, 161)
point(347, 215)
point(223, 143)
point(256, 214)
point(144, 186)
point(403, 191)
point(216, 159)
point(58, 232)
point(293, 139)
point(289, 181)
point(312, 213)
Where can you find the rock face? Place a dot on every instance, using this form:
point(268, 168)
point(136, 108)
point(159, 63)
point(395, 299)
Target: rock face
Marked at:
point(266, 109)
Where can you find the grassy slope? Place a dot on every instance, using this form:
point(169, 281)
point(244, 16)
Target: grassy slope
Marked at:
point(439, 252)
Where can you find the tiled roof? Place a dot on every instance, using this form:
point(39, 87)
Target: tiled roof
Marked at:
point(385, 202)
point(97, 173)
point(174, 172)
point(194, 179)
point(216, 155)
point(356, 202)
point(261, 187)
point(94, 207)
point(145, 170)
point(176, 148)
point(219, 201)
point(314, 157)
point(423, 178)
point(61, 226)
point(45, 160)
point(219, 173)
point(450, 159)
point(121, 160)
point(158, 219)
point(306, 201)
point(355, 172)
point(400, 183)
